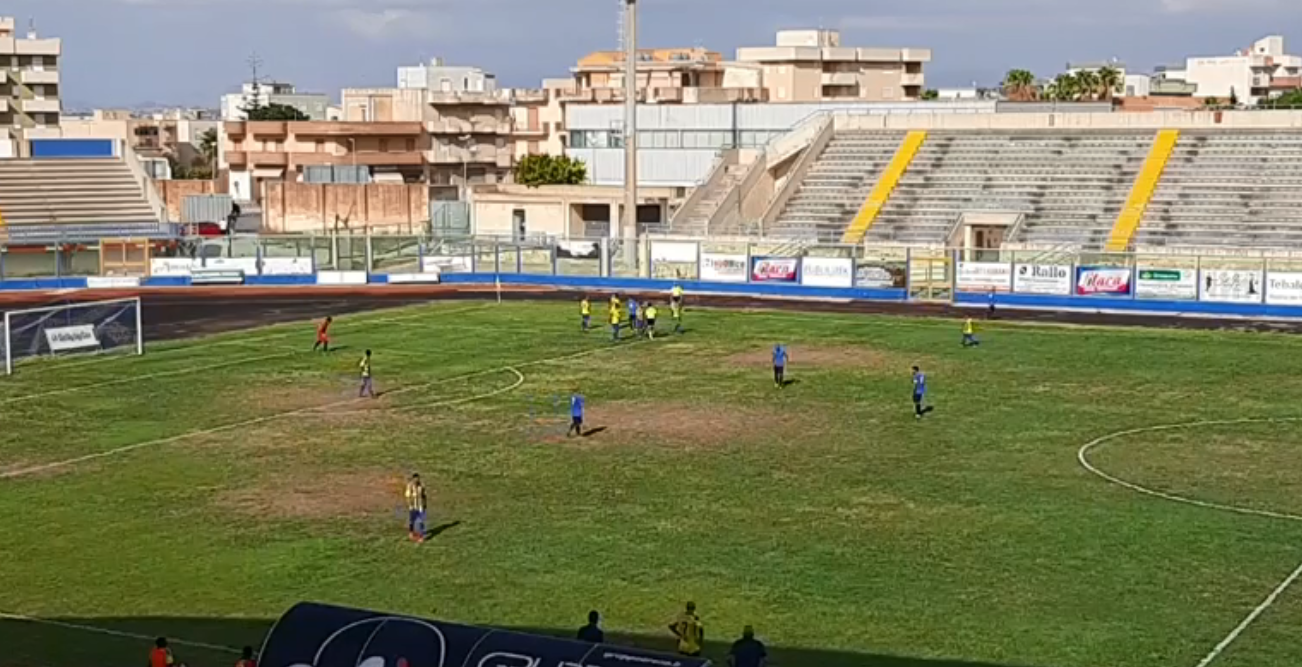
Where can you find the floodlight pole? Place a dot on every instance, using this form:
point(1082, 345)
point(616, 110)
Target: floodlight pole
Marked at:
point(630, 121)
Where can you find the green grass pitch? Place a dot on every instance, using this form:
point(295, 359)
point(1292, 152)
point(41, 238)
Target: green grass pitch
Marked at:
point(200, 490)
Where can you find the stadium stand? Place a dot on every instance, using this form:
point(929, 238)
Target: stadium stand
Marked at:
point(695, 219)
point(836, 186)
point(72, 191)
point(1070, 186)
point(1228, 190)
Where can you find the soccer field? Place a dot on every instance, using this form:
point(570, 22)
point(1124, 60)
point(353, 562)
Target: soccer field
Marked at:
point(201, 489)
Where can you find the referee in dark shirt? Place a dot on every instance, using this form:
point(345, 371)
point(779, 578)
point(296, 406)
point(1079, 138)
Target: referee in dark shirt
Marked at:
point(747, 651)
point(592, 631)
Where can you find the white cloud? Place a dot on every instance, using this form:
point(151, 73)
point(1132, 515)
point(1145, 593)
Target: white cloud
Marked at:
point(376, 24)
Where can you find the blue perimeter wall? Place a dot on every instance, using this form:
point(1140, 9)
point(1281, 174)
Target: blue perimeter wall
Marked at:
point(771, 290)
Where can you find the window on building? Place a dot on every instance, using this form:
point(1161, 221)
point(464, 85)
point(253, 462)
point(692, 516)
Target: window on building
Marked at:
point(384, 145)
point(38, 63)
point(578, 139)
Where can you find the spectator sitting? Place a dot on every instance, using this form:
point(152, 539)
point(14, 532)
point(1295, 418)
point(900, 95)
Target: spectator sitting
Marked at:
point(592, 631)
point(688, 630)
point(161, 655)
point(747, 651)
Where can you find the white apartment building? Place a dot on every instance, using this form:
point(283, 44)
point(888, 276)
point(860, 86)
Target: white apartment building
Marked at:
point(29, 86)
point(435, 75)
point(1258, 72)
point(316, 106)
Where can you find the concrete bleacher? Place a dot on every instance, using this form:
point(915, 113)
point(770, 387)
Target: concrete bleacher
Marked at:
point(1240, 189)
point(101, 191)
point(836, 185)
point(1070, 186)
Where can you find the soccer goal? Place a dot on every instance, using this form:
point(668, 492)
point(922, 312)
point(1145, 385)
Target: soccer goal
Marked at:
point(89, 327)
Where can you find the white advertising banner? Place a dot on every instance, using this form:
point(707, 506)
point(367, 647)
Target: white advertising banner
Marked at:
point(673, 251)
point(724, 268)
point(248, 265)
point(1284, 288)
point(286, 266)
point(111, 282)
point(77, 337)
point(1042, 279)
point(446, 264)
point(173, 266)
point(1230, 285)
point(984, 276)
point(1166, 283)
point(827, 272)
point(341, 278)
point(428, 278)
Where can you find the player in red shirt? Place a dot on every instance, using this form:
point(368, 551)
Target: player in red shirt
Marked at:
point(246, 658)
point(323, 335)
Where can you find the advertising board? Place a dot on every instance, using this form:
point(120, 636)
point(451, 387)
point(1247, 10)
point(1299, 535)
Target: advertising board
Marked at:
point(827, 272)
point(1103, 281)
point(1230, 285)
point(723, 268)
point(1042, 279)
point(775, 269)
point(1166, 283)
point(984, 276)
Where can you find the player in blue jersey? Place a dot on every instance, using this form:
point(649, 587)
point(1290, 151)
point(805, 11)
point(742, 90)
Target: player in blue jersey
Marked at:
point(576, 415)
point(632, 315)
point(919, 393)
point(780, 365)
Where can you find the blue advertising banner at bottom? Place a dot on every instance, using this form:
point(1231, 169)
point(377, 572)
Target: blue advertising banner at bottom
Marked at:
point(316, 635)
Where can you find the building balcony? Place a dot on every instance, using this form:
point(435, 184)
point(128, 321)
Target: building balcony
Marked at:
point(724, 95)
point(540, 131)
point(912, 79)
point(254, 159)
point(4, 105)
point(474, 155)
point(345, 129)
point(266, 128)
point(38, 106)
point(583, 95)
point(494, 98)
point(459, 126)
point(840, 79)
point(370, 158)
point(31, 47)
point(43, 77)
point(234, 128)
point(530, 95)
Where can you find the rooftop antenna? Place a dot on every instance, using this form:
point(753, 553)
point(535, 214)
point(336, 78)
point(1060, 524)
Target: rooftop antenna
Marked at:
point(255, 63)
point(31, 28)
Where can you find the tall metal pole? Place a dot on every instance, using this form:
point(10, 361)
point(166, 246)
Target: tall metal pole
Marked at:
point(630, 120)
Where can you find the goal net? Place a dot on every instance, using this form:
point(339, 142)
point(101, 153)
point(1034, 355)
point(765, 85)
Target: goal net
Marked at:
point(73, 328)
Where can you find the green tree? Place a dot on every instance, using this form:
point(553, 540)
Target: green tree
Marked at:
point(930, 94)
point(1019, 85)
point(208, 148)
point(1290, 100)
point(274, 111)
point(1087, 85)
point(1110, 82)
point(536, 170)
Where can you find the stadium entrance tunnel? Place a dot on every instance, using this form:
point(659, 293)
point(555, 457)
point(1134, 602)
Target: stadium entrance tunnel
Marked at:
point(317, 635)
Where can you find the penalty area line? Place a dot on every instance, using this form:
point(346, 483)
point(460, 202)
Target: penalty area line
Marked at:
point(24, 618)
point(1082, 456)
point(513, 368)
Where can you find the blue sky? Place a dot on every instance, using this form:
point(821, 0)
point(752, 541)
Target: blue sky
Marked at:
point(120, 52)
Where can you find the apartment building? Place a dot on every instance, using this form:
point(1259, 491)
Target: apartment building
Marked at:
point(469, 133)
point(29, 85)
point(665, 76)
point(811, 65)
point(174, 134)
point(1259, 72)
point(315, 106)
point(437, 75)
point(538, 118)
point(261, 151)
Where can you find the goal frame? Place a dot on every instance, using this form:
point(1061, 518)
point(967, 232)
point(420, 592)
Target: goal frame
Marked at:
point(9, 314)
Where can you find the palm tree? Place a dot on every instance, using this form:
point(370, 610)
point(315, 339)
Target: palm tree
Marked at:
point(1110, 82)
point(1019, 85)
point(1087, 85)
point(1066, 88)
point(208, 148)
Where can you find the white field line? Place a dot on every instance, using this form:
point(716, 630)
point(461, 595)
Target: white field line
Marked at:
point(362, 319)
point(1082, 456)
point(54, 465)
point(113, 633)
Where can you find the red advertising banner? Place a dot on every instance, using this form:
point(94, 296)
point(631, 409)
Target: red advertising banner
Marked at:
point(775, 269)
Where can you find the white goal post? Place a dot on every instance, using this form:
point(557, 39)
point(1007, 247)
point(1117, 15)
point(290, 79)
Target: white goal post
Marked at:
point(76, 327)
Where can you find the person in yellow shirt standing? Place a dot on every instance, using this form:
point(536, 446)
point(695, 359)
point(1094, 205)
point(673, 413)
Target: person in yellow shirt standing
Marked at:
point(415, 495)
point(367, 388)
point(616, 318)
point(585, 310)
point(969, 334)
point(689, 631)
point(651, 311)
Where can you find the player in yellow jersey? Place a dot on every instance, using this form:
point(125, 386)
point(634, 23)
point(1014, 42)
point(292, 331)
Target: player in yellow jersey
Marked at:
point(415, 496)
point(676, 311)
point(367, 388)
point(585, 310)
point(676, 296)
point(969, 334)
point(616, 318)
point(650, 313)
point(689, 631)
